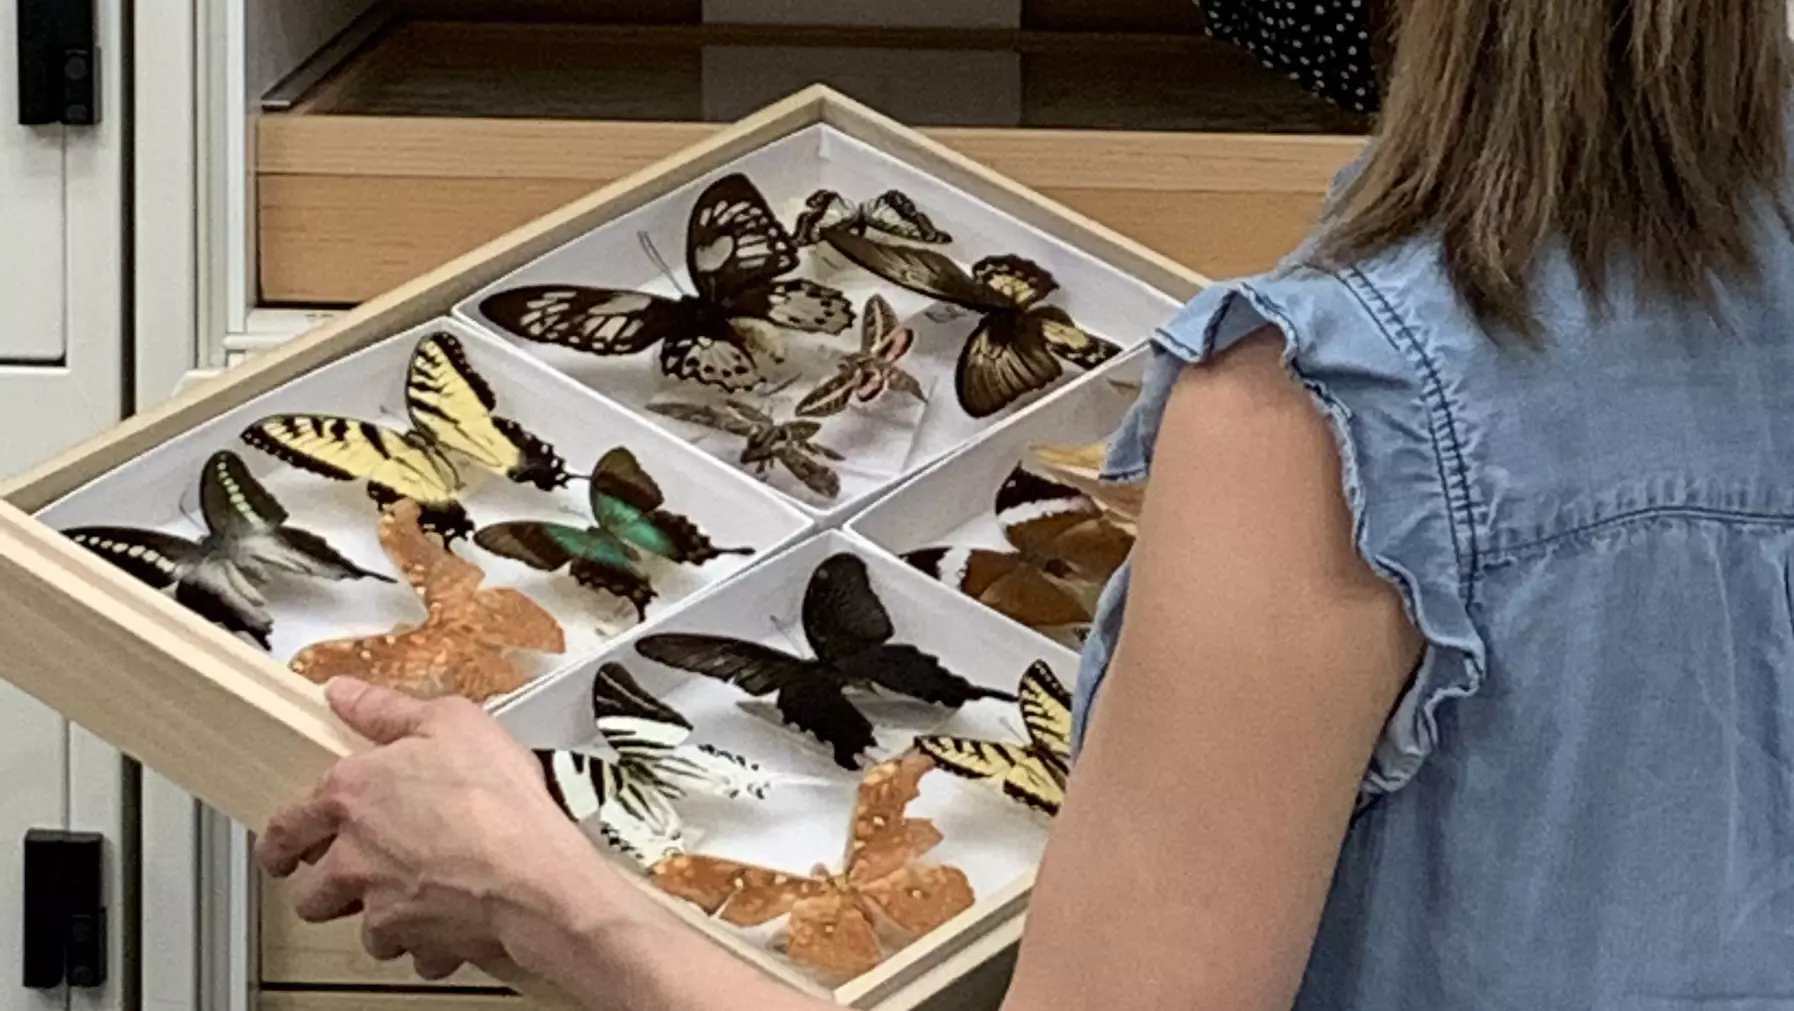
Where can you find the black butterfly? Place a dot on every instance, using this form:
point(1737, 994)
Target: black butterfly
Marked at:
point(1017, 345)
point(734, 249)
point(891, 212)
point(850, 633)
point(246, 537)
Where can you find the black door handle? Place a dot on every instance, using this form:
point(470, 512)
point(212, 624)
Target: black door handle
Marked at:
point(65, 909)
point(58, 63)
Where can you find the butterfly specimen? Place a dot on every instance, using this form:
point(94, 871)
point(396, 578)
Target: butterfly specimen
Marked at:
point(1033, 773)
point(866, 374)
point(1018, 342)
point(836, 919)
point(463, 645)
point(734, 249)
point(451, 412)
point(1065, 550)
point(1081, 467)
point(850, 632)
point(633, 793)
point(246, 538)
point(627, 510)
point(892, 212)
point(785, 442)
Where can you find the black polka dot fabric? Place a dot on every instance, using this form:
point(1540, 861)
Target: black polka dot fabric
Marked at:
point(1324, 45)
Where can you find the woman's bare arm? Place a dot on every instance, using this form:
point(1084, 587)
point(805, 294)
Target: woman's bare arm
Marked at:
point(1258, 661)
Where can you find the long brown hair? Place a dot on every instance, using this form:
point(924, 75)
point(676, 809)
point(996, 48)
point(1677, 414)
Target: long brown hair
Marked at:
point(1638, 133)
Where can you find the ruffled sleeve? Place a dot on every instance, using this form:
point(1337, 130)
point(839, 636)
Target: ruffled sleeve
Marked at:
point(1404, 478)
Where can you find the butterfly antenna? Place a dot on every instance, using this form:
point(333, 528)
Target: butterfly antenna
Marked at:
point(660, 262)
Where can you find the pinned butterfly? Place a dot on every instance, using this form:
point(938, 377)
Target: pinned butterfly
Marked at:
point(850, 633)
point(632, 795)
point(1018, 343)
point(1033, 772)
point(464, 643)
point(1065, 550)
point(450, 406)
point(835, 918)
point(891, 213)
point(865, 375)
point(789, 443)
point(735, 252)
point(247, 539)
point(629, 520)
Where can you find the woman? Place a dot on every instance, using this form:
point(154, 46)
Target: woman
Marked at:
point(1458, 654)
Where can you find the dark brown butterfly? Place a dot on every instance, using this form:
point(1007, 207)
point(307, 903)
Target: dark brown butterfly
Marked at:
point(786, 442)
point(850, 632)
point(892, 212)
point(866, 374)
point(1066, 548)
point(1018, 343)
point(735, 250)
point(628, 517)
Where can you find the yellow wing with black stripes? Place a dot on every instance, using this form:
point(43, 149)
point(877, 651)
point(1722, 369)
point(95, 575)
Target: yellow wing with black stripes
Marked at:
point(1033, 773)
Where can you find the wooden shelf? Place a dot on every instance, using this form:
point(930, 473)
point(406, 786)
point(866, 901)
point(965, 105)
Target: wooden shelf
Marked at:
point(438, 135)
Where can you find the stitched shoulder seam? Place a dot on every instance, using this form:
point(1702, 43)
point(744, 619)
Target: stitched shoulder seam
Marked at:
point(1442, 425)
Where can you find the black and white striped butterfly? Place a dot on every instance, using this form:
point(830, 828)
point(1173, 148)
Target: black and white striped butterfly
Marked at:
point(632, 794)
point(892, 213)
point(219, 577)
point(735, 249)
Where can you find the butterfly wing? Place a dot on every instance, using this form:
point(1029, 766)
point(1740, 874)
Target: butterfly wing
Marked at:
point(1070, 341)
point(733, 242)
point(816, 476)
point(842, 615)
point(1019, 280)
point(1005, 359)
point(877, 321)
point(755, 669)
point(344, 449)
point(816, 706)
point(832, 394)
point(1060, 525)
point(923, 271)
point(626, 502)
point(824, 209)
point(1046, 712)
point(744, 894)
point(452, 405)
point(594, 558)
point(831, 934)
point(795, 304)
point(499, 618)
point(920, 898)
point(906, 670)
point(428, 662)
point(728, 421)
point(1004, 582)
point(894, 213)
point(615, 694)
point(881, 837)
point(211, 588)
point(248, 528)
point(599, 321)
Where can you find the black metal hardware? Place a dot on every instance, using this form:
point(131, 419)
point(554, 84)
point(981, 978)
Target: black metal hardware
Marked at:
point(65, 910)
point(58, 63)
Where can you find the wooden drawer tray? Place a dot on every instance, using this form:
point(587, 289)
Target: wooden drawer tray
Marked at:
point(438, 135)
point(239, 730)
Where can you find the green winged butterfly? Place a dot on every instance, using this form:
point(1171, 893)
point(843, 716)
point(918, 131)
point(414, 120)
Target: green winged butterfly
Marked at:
point(629, 521)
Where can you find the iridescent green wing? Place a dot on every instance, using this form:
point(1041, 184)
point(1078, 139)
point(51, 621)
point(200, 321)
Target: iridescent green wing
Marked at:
point(626, 504)
point(553, 546)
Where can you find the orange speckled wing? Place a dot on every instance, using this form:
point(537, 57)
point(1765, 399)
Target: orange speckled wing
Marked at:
point(918, 899)
point(460, 649)
point(745, 895)
point(832, 934)
point(883, 839)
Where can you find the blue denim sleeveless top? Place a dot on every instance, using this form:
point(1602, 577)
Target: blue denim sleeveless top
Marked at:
point(1585, 799)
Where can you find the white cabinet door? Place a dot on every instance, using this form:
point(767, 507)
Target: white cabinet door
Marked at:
point(62, 363)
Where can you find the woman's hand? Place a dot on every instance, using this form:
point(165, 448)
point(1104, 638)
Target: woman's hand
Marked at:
point(443, 836)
